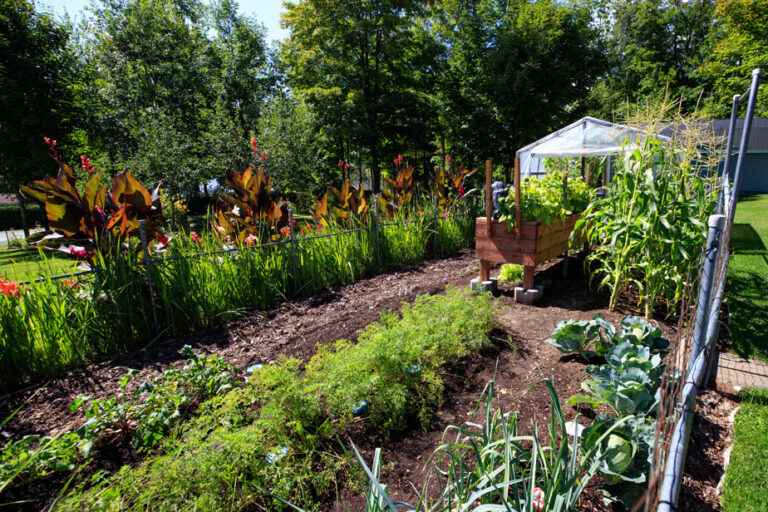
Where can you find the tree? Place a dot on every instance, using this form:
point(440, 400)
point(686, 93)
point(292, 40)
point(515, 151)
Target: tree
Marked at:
point(739, 45)
point(35, 100)
point(653, 48)
point(515, 70)
point(246, 73)
point(288, 132)
point(354, 61)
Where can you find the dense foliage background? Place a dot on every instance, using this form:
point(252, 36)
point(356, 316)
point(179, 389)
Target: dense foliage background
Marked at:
point(174, 89)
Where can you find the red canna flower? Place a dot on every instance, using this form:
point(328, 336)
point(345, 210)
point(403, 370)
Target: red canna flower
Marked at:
point(344, 165)
point(9, 288)
point(399, 160)
point(251, 240)
point(53, 149)
point(461, 190)
point(537, 499)
point(285, 231)
point(196, 238)
point(254, 146)
point(70, 283)
point(85, 162)
point(162, 239)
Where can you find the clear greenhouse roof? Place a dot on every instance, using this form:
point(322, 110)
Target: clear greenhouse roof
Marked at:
point(586, 137)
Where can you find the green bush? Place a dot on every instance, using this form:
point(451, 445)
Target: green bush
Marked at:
point(281, 436)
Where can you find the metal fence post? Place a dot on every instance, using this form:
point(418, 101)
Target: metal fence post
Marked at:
point(716, 223)
point(294, 260)
point(147, 262)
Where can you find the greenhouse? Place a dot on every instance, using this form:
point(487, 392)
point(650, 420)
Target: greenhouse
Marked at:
point(586, 137)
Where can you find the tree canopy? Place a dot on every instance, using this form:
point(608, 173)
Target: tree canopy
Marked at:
point(175, 89)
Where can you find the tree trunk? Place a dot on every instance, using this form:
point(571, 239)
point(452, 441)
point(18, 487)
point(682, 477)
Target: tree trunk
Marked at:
point(23, 210)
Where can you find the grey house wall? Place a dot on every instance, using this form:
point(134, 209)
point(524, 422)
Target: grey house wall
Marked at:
point(755, 173)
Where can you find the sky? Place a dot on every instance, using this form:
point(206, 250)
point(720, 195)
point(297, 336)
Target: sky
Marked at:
point(266, 11)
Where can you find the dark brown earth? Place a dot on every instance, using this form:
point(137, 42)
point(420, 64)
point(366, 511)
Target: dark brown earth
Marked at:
point(520, 361)
point(705, 465)
point(520, 364)
point(293, 329)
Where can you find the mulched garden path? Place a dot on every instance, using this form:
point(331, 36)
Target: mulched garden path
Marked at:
point(705, 463)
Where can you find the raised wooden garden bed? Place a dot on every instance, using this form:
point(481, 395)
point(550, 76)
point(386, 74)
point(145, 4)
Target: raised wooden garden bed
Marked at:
point(532, 244)
point(528, 244)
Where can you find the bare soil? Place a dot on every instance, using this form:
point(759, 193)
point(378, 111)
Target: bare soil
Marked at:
point(519, 362)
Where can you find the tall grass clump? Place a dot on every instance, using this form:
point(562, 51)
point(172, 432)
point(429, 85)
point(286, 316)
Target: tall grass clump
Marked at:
point(649, 229)
point(280, 436)
point(196, 282)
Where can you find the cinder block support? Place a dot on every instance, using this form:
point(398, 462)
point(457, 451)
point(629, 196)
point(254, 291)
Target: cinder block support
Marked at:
point(528, 296)
point(491, 285)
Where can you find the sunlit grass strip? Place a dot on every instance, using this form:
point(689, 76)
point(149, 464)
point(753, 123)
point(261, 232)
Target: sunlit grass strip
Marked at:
point(745, 489)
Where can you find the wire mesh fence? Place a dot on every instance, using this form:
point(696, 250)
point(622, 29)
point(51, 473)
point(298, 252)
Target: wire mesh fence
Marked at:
point(693, 361)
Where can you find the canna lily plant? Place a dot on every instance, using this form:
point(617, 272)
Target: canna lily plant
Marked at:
point(253, 210)
point(400, 191)
point(449, 186)
point(94, 215)
point(347, 203)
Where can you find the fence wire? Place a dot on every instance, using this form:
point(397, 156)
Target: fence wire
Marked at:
point(692, 363)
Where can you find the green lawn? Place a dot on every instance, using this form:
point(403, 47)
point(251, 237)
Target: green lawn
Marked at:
point(26, 265)
point(745, 487)
point(747, 296)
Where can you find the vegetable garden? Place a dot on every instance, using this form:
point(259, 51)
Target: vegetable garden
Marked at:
point(481, 403)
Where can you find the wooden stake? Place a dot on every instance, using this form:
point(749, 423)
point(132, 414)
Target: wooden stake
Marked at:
point(485, 270)
point(528, 274)
point(518, 213)
point(488, 198)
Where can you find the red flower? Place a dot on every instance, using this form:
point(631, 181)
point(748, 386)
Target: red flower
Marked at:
point(78, 251)
point(344, 165)
point(257, 153)
point(70, 283)
point(254, 146)
point(85, 162)
point(285, 231)
point(537, 499)
point(9, 288)
point(162, 239)
point(399, 160)
point(461, 190)
point(53, 148)
point(196, 238)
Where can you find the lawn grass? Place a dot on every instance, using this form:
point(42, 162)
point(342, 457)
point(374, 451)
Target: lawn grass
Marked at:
point(27, 265)
point(745, 487)
point(748, 279)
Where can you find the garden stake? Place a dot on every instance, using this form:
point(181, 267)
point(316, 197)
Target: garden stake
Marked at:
point(147, 261)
